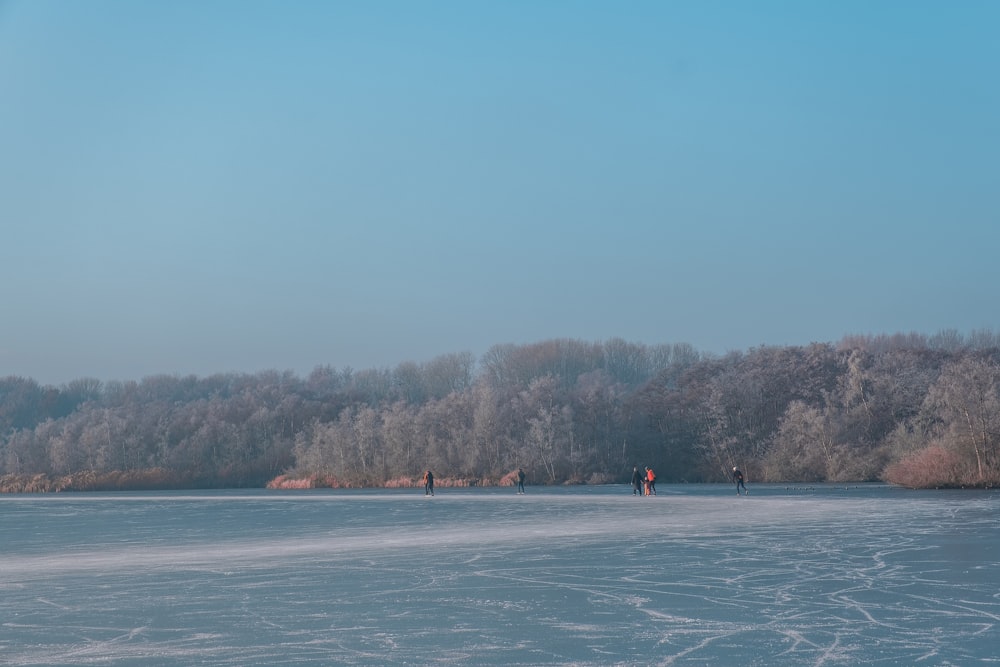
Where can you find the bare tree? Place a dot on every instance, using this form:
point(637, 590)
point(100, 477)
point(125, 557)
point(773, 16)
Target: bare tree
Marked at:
point(803, 449)
point(966, 398)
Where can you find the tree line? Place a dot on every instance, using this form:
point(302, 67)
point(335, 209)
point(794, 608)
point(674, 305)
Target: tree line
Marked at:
point(915, 410)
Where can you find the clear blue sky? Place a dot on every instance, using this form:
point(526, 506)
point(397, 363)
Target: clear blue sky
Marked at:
point(212, 186)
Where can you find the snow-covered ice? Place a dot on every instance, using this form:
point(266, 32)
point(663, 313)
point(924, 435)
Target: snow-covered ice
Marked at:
point(583, 576)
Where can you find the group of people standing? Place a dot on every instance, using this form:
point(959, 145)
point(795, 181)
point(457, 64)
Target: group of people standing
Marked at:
point(429, 482)
point(643, 481)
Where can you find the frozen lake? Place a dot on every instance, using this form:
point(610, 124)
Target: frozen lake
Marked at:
point(584, 576)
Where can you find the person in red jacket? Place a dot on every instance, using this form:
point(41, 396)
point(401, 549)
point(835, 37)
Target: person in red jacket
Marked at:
point(650, 482)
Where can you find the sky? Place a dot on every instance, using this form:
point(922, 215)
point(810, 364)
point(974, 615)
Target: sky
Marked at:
point(195, 187)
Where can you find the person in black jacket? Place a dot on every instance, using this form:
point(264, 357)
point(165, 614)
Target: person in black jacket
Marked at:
point(428, 483)
point(636, 481)
point(738, 479)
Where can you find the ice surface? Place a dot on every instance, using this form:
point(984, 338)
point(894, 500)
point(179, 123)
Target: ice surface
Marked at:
point(585, 576)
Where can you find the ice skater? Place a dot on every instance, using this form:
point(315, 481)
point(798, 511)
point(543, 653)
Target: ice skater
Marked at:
point(520, 480)
point(738, 479)
point(650, 481)
point(428, 483)
point(636, 481)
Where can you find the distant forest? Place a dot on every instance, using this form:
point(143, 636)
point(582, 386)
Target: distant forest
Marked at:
point(913, 410)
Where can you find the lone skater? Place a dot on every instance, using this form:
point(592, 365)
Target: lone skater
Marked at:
point(738, 479)
point(636, 481)
point(520, 480)
point(428, 483)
